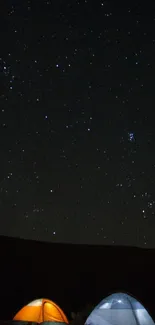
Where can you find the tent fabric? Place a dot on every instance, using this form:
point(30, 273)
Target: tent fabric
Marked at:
point(52, 323)
point(18, 322)
point(41, 310)
point(119, 309)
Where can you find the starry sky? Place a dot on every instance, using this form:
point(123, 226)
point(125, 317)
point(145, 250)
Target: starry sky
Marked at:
point(77, 94)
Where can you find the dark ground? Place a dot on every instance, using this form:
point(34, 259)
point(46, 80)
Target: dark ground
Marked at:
point(71, 275)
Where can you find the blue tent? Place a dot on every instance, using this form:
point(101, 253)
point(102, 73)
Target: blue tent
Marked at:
point(119, 309)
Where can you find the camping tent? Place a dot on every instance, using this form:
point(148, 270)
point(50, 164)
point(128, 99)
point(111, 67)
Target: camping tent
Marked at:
point(119, 309)
point(41, 310)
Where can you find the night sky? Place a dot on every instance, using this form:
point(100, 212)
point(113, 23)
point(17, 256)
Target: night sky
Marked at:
point(77, 131)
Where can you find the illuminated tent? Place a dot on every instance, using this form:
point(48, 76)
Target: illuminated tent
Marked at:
point(119, 309)
point(41, 310)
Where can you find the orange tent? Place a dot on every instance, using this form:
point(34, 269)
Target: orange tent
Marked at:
point(41, 310)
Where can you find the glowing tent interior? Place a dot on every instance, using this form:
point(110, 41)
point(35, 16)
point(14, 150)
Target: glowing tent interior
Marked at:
point(41, 310)
point(119, 309)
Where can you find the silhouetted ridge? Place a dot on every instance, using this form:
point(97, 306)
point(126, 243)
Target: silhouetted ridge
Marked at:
point(72, 275)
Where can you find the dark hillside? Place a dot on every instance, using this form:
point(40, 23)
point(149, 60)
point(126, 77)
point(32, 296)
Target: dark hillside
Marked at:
point(72, 275)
